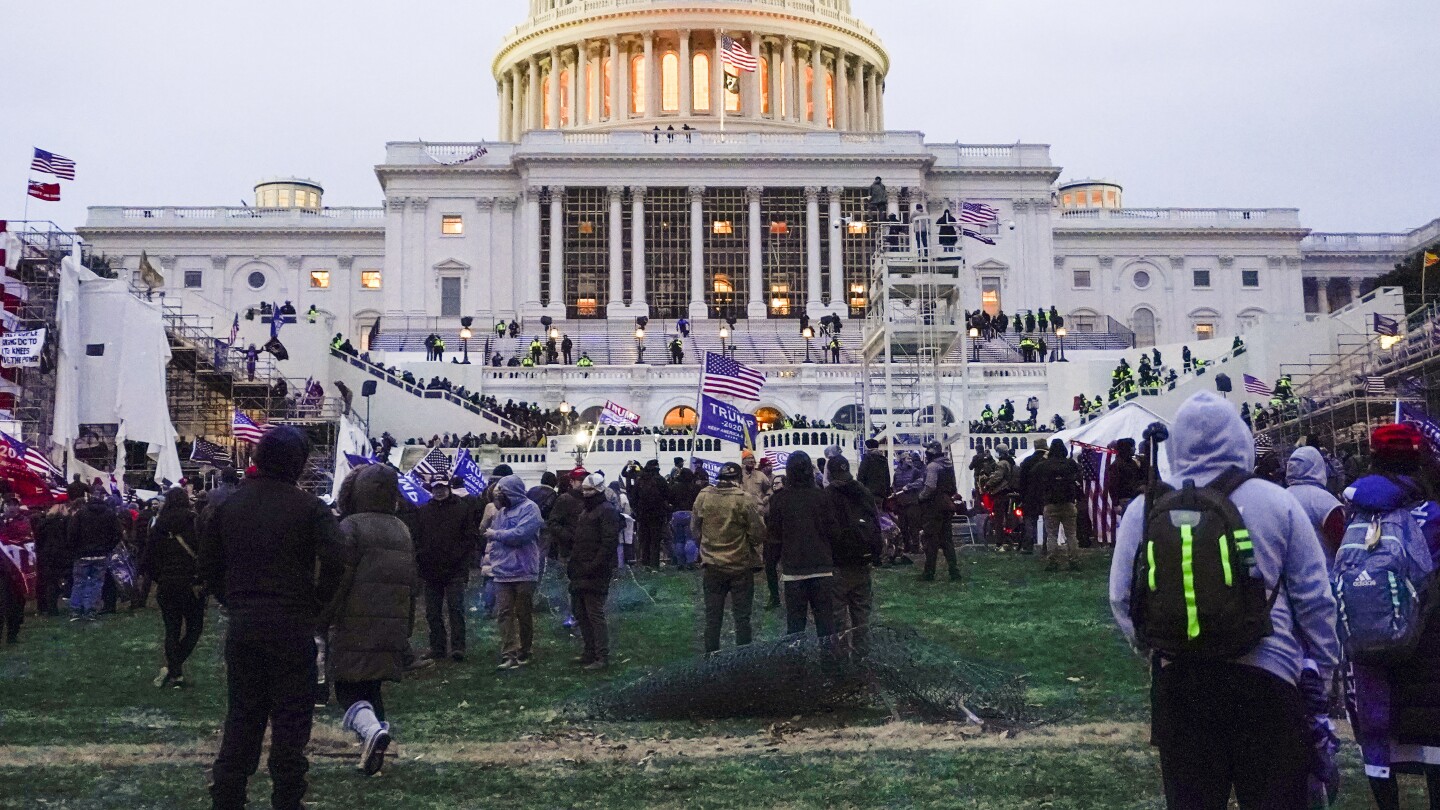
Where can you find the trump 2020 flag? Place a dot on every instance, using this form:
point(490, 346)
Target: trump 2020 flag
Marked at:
point(413, 490)
point(726, 422)
point(468, 471)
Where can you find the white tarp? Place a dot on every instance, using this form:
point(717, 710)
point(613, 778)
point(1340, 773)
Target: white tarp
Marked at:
point(1125, 422)
point(72, 351)
point(12, 247)
point(351, 440)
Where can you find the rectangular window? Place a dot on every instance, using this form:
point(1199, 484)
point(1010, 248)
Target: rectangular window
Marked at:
point(452, 225)
point(1082, 279)
point(450, 297)
point(194, 279)
point(1202, 279)
point(1204, 331)
point(369, 279)
point(722, 227)
point(990, 295)
point(1250, 278)
point(319, 279)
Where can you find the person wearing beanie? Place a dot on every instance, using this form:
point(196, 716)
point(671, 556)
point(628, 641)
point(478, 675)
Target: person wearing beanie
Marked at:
point(1032, 497)
point(1062, 481)
point(592, 563)
point(800, 529)
point(564, 512)
point(52, 553)
point(936, 505)
point(731, 534)
point(874, 472)
point(445, 538)
point(271, 556)
point(757, 482)
point(856, 548)
point(1238, 724)
point(169, 562)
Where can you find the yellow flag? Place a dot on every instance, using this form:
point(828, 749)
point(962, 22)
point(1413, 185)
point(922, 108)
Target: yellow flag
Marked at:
point(148, 274)
point(1431, 259)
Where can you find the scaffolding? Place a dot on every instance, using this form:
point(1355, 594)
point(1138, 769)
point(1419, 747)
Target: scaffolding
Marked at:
point(43, 246)
point(914, 322)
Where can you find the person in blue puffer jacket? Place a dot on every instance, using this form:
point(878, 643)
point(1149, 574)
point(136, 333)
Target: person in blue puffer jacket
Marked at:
point(514, 538)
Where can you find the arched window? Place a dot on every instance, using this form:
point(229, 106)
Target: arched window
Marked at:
point(680, 417)
point(566, 119)
point(637, 85)
point(670, 82)
point(769, 418)
point(765, 86)
point(701, 82)
point(591, 415)
point(605, 90)
point(850, 417)
point(1143, 323)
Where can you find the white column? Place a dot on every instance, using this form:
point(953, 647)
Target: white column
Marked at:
point(812, 247)
point(877, 124)
point(637, 247)
point(505, 107)
point(552, 99)
point(557, 246)
point(617, 251)
point(756, 270)
point(750, 108)
point(863, 111)
point(580, 99)
point(837, 249)
point(517, 104)
point(792, 82)
point(531, 271)
point(627, 87)
point(687, 75)
point(652, 98)
point(817, 84)
point(616, 113)
point(842, 92)
point(879, 103)
point(533, 98)
point(697, 308)
point(1322, 295)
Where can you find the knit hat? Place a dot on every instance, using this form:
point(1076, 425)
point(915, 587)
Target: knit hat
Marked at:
point(578, 474)
point(502, 471)
point(593, 484)
point(730, 471)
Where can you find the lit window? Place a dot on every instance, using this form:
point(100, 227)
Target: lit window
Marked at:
point(1250, 278)
point(587, 228)
point(1202, 279)
point(670, 82)
point(605, 91)
point(1204, 331)
point(779, 228)
point(1082, 279)
point(809, 93)
point(780, 299)
point(545, 102)
point(1095, 198)
point(1066, 200)
point(587, 307)
point(858, 227)
point(637, 85)
point(701, 82)
point(857, 296)
point(723, 226)
point(830, 100)
point(194, 279)
point(565, 98)
point(369, 279)
point(764, 86)
point(681, 417)
point(722, 284)
point(452, 225)
point(1111, 198)
point(319, 279)
point(284, 198)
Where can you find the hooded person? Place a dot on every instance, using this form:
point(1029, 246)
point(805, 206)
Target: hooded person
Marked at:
point(800, 528)
point(593, 559)
point(1237, 723)
point(372, 613)
point(909, 480)
point(445, 540)
point(170, 562)
point(683, 544)
point(94, 531)
point(731, 534)
point(855, 548)
point(652, 513)
point(1306, 477)
point(936, 508)
point(560, 525)
point(270, 555)
point(514, 538)
point(874, 472)
point(1061, 480)
point(1032, 496)
point(1126, 480)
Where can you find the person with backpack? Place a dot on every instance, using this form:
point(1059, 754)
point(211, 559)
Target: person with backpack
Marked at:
point(1059, 478)
point(856, 548)
point(1032, 497)
point(170, 562)
point(1394, 536)
point(1000, 483)
point(1227, 626)
point(937, 508)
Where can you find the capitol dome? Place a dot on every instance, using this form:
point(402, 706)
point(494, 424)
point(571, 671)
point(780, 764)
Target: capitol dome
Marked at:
point(817, 67)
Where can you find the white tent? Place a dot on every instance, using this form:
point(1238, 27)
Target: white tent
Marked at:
point(1125, 422)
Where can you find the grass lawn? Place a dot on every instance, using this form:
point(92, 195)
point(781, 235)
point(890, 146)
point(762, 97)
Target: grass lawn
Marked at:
point(80, 725)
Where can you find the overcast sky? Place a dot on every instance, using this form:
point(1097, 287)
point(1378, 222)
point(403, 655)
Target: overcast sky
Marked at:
point(1324, 105)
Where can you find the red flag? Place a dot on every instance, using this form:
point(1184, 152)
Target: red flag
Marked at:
point(49, 192)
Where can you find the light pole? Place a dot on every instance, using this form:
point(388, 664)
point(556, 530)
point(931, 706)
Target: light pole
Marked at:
point(565, 411)
point(809, 334)
point(1061, 333)
point(724, 340)
point(639, 345)
point(465, 336)
point(975, 344)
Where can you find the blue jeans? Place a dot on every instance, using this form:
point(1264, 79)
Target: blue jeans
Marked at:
point(87, 580)
point(680, 538)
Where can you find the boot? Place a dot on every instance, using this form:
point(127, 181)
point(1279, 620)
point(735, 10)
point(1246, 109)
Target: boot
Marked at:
point(954, 574)
point(374, 734)
point(1386, 792)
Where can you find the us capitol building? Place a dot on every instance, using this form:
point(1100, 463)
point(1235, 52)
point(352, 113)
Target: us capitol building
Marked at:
point(637, 174)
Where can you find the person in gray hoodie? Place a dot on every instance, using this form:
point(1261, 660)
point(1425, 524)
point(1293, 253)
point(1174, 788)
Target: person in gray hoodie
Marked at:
point(514, 538)
point(1237, 724)
point(1306, 477)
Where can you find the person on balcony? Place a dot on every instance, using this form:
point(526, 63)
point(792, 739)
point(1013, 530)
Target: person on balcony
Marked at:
point(947, 231)
point(566, 347)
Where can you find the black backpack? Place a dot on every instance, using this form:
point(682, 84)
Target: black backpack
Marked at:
point(1059, 482)
point(1195, 594)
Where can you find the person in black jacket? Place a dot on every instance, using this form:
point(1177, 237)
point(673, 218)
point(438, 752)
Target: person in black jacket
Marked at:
point(560, 525)
point(1125, 481)
point(856, 547)
point(52, 549)
point(270, 556)
point(651, 503)
point(592, 563)
point(446, 534)
point(800, 525)
point(170, 562)
point(1032, 497)
point(1062, 480)
point(94, 532)
point(874, 473)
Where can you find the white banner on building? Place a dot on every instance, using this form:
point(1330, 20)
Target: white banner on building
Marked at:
point(21, 349)
point(616, 415)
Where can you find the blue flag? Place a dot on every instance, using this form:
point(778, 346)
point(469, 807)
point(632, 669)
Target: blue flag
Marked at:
point(359, 461)
point(413, 490)
point(1407, 414)
point(276, 320)
point(710, 468)
point(726, 422)
point(468, 471)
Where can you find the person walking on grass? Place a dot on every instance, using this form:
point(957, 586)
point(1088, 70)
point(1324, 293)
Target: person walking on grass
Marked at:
point(800, 527)
point(445, 539)
point(373, 610)
point(514, 538)
point(270, 555)
point(1227, 645)
point(727, 521)
point(94, 532)
point(1060, 479)
point(15, 531)
point(171, 562)
point(937, 510)
point(593, 559)
point(856, 548)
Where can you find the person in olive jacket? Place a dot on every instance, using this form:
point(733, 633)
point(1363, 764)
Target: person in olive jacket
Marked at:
point(446, 534)
point(170, 562)
point(800, 525)
point(731, 532)
point(371, 615)
point(593, 559)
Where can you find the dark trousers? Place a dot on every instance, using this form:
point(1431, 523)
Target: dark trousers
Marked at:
point(739, 586)
point(12, 607)
point(810, 597)
point(936, 538)
point(348, 693)
point(1221, 726)
point(271, 681)
point(772, 581)
point(853, 598)
point(446, 600)
point(589, 609)
point(650, 536)
point(48, 581)
point(1032, 529)
point(515, 613)
point(184, 615)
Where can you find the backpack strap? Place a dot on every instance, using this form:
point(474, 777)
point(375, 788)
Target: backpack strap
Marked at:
point(1230, 480)
point(184, 545)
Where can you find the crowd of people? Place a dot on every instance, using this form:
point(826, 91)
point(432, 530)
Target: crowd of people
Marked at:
point(1003, 419)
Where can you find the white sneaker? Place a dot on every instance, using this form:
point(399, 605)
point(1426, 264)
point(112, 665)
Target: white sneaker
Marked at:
point(161, 679)
point(372, 757)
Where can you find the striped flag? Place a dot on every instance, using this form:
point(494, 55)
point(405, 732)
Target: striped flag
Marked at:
point(779, 458)
point(737, 56)
point(245, 430)
point(1430, 260)
point(210, 453)
point(434, 465)
point(1407, 414)
point(726, 377)
point(1388, 327)
point(235, 330)
point(977, 236)
point(978, 213)
point(33, 460)
point(1257, 386)
point(1375, 386)
point(51, 163)
point(1095, 465)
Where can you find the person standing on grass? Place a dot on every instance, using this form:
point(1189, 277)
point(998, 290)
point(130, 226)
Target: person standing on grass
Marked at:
point(1238, 722)
point(593, 559)
point(270, 555)
point(651, 500)
point(445, 539)
point(514, 538)
point(801, 525)
point(373, 611)
point(94, 532)
point(731, 534)
point(759, 485)
point(856, 547)
point(1060, 478)
point(874, 472)
point(1032, 497)
point(52, 553)
point(937, 510)
point(14, 531)
point(170, 561)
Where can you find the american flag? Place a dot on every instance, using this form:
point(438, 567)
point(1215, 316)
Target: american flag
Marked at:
point(725, 377)
point(245, 430)
point(49, 192)
point(51, 163)
point(34, 460)
point(1257, 386)
point(205, 452)
point(977, 236)
point(737, 56)
point(778, 457)
point(1386, 326)
point(434, 465)
point(1375, 386)
point(1095, 465)
point(1415, 415)
point(235, 330)
point(978, 213)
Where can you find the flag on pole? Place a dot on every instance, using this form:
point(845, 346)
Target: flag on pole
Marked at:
point(618, 415)
point(51, 163)
point(1257, 386)
point(434, 465)
point(726, 377)
point(978, 213)
point(737, 56)
point(1375, 386)
point(1430, 260)
point(977, 236)
point(1095, 466)
point(209, 453)
point(468, 471)
point(31, 458)
point(49, 192)
point(1388, 327)
point(245, 430)
point(276, 321)
point(235, 330)
point(413, 489)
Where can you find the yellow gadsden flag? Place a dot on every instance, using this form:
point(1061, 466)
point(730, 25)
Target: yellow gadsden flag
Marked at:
point(149, 276)
point(1431, 259)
